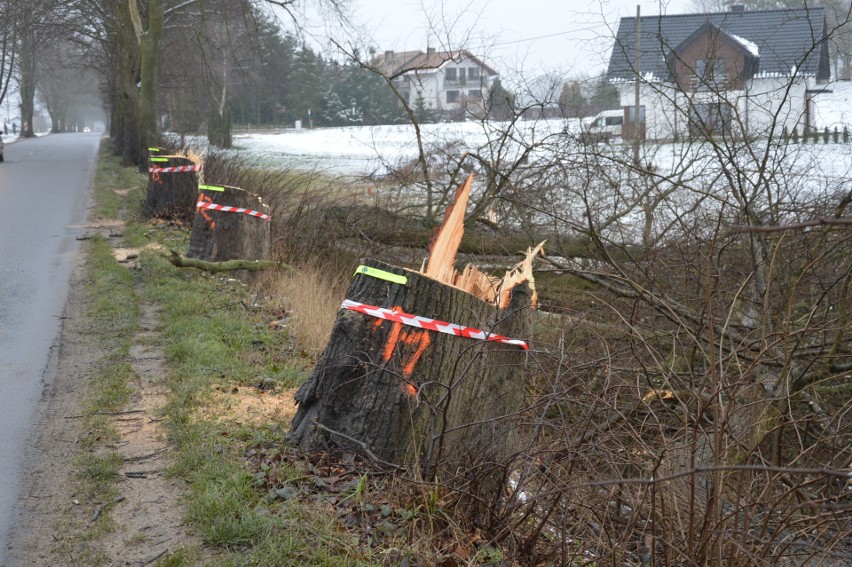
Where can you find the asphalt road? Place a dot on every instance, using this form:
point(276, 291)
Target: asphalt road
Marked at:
point(44, 193)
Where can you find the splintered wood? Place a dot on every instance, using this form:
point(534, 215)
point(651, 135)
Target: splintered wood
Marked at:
point(197, 159)
point(442, 258)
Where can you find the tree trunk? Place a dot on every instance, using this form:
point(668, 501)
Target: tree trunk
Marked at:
point(28, 66)
point(225, 235)
point(149, 62)
point(173, 195)
point(415, 397)
point(219, 127)
point(126, 109)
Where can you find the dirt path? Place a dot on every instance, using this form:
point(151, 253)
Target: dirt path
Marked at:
point(52, 520)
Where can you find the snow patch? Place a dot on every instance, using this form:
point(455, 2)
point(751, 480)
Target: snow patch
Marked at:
point(749, 45)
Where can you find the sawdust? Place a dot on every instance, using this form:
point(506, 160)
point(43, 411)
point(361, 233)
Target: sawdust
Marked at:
point(251, 406)
point(127, 255)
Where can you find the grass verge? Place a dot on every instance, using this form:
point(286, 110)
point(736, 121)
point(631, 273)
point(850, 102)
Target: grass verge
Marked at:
point(225, 348)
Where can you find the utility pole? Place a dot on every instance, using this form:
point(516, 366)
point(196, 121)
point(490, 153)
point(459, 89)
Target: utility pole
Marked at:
point(636, 121)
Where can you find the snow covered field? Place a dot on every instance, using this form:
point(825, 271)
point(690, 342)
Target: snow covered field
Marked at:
point(372, 150)
point(561, 180)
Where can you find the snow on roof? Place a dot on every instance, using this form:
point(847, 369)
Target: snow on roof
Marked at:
point(750, 45)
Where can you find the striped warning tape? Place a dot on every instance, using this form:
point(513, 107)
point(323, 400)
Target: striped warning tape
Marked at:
point(430, 324)
point(224, 208)
point(176, 169)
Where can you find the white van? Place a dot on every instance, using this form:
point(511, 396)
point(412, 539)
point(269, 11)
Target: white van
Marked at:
point(605, 125)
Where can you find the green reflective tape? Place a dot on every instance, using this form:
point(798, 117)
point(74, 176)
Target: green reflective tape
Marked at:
point(210, 188)
point(381, 274)
point(155, 149)
point(158, 159)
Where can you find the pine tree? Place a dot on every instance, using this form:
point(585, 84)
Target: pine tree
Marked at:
point(572, 102)
point(604, 96)
point(307, 85)
point(422, 112)
point(500, 104)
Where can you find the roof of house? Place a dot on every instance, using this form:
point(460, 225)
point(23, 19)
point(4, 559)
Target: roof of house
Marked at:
point(392, 63)
point(782, 40)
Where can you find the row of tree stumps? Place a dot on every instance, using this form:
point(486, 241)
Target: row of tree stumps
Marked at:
point(425, 369)
point(228, 223)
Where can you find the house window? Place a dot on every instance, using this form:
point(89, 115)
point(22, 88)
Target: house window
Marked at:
point(452, 96)
point(473, 73)
point(474, 93)
point(709, 74)
point(450, 74)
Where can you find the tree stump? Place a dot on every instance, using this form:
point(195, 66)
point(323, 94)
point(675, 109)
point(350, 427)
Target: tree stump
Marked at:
point(172, 195)
point(218, 235)
point(415, 397)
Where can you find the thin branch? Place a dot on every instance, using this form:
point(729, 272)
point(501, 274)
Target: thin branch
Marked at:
point(822, 221)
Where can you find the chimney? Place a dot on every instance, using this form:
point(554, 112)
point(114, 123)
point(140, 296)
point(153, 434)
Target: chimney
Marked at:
point(430, 50)
point(737, 8)
point(389, 55)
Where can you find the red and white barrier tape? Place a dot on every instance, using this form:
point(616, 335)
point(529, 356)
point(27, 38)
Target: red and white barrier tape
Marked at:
point(175, 169)
point(226, 209)
point(430, 324)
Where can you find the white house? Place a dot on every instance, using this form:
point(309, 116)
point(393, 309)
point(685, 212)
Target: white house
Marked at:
point(740, 72)
point(443, 80)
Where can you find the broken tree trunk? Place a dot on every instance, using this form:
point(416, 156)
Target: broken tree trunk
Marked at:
point(171, 195)
point(235, 227)
point(425, 369)
point(413, 396)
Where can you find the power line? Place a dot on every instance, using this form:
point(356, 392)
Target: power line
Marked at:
point(546, 36)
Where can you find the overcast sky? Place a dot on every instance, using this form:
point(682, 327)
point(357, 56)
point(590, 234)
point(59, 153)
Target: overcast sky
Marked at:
point(528, 37)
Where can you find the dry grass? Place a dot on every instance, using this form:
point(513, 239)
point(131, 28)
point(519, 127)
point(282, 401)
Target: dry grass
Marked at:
point(307, 302)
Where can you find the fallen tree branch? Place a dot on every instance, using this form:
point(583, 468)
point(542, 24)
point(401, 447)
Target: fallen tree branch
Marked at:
point(251, 265)
point(363, 446)
point(822, 221)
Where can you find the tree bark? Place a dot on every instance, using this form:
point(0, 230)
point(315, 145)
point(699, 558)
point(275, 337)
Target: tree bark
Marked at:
point(149, 62)
point(386, 227)
point(125, 113)
point(215, 267)
point(219, 236)
point(415, 397)
point(28, 67)
point(219, 127)
point(171, 196)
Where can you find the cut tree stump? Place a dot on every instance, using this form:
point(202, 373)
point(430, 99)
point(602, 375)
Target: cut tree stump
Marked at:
point(171, 196)
point(219, 236)
point(410, 395)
